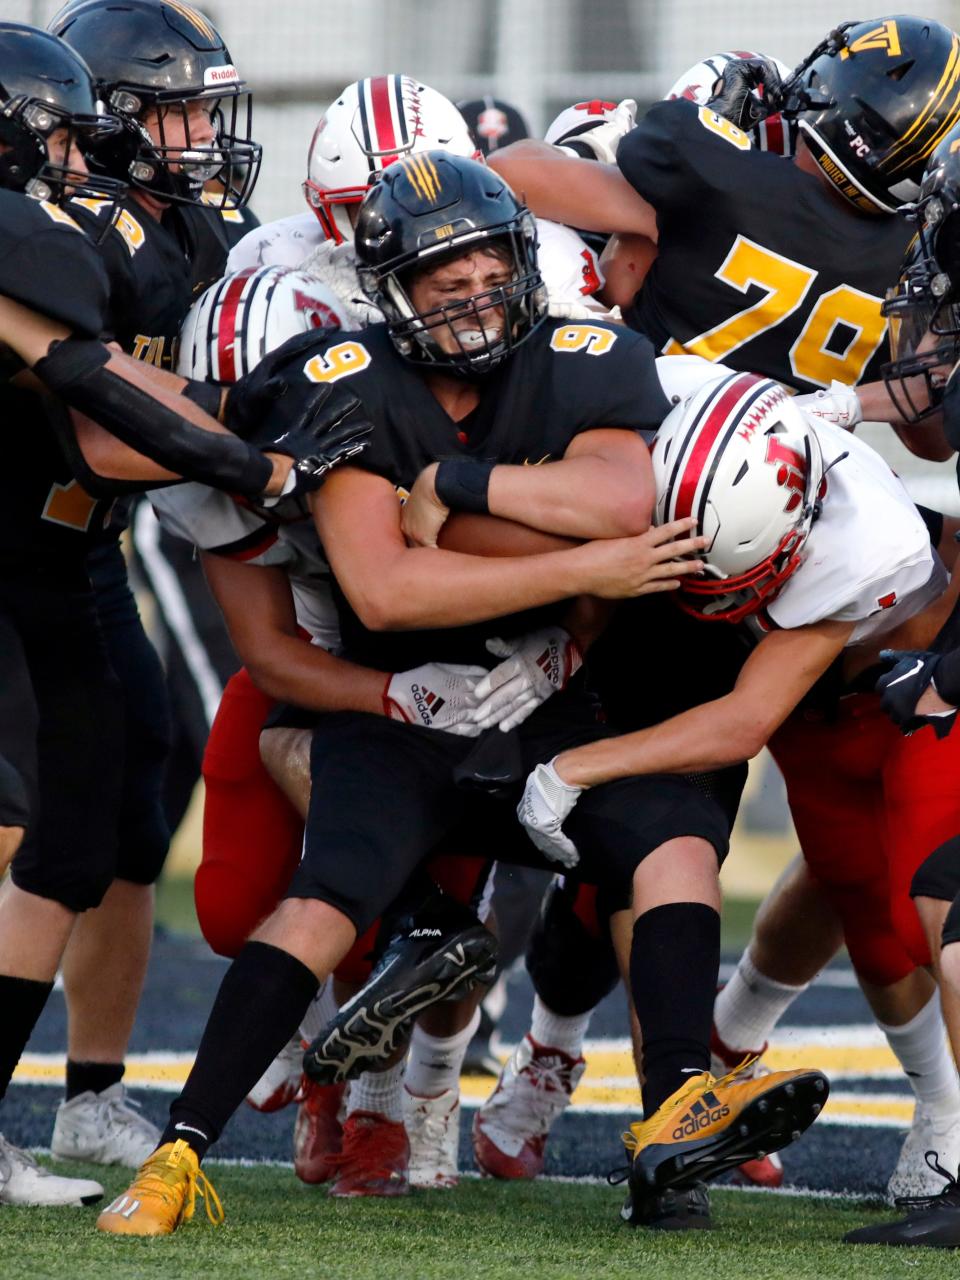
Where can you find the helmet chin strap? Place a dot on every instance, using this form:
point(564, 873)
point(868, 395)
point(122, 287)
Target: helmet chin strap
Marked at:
point(815, 508)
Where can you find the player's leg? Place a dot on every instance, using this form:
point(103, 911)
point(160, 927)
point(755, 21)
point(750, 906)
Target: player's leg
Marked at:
point(381, 793)
point(97, 1121)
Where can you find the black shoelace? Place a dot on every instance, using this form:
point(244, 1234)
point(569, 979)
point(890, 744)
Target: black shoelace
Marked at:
point(948, 1197)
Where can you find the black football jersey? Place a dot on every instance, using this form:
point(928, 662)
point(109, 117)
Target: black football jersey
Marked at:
point(48, 265)
point(759, 265)
point(568, 377)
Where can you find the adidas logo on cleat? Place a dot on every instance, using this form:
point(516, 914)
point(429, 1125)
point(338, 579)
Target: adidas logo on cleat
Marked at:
point(705, 1111)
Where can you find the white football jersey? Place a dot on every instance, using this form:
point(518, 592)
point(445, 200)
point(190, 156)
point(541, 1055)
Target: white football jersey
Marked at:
point(868, 558)
point(214, 522)
point(283, 243)
point(569, 267)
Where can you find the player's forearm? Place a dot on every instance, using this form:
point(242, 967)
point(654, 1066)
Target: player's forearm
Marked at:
point(578, 193)
point(924, 439)
point(708, 737)
point(491, 536)
point(290, 670)
point(584, 497)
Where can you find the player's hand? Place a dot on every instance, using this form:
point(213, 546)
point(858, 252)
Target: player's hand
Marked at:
point(547, 801)
point(620, 568)
point(534, 667)
point(839, 405)
point(423, 514)
point(438, 695)
point(598, 136)
point(747, 92)
point(908, 694)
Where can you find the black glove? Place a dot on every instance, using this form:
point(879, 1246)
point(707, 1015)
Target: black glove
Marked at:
point(734, 95)
point(276, 409)
point(900, 689)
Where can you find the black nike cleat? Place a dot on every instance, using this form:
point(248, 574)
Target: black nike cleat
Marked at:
point(678, 1209)
point(932, 1222)
point(438, 953)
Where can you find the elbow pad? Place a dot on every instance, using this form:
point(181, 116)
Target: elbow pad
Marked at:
point(75, 370)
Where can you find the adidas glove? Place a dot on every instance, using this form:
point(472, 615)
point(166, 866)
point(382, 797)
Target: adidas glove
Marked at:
point(597, 137)
point(438, 695)
point(534, 667)
point(547, 801)
point(901, 688)
point(839, 405)
point(748, 90)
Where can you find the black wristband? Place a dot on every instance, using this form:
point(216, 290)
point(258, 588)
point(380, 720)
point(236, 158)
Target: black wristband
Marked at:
point(462, 483)
point(205, 395)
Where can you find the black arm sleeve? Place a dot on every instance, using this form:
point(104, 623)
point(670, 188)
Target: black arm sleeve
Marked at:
point(947, 677)
point(75, 370)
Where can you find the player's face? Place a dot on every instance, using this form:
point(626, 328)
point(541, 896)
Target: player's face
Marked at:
point(182, 125)
point(450, 286)
point(63, 150)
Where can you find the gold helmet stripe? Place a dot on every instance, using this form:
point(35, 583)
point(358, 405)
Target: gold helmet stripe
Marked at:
point(423, 176)
point(943, 90)
point(195, 18)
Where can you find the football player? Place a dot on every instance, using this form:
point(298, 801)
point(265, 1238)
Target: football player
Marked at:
point(461, 370)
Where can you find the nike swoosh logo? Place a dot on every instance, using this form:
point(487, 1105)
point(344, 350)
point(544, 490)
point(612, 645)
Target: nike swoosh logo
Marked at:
point(906, 676)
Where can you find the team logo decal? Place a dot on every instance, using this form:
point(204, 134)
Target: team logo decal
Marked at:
point(884, 37)
point(791, 471)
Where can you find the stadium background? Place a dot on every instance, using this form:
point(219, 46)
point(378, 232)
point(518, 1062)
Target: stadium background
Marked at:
point(540, 55)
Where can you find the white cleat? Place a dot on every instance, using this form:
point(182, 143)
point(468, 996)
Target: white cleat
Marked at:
point(104, 1128)
point(280, 1083)
point(913, 1176)
point(24, 1182)
point(433, 1128)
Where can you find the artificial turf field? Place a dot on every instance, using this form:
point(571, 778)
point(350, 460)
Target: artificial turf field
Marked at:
point(277, 1227)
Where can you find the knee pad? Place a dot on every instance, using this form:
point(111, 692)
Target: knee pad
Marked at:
point(938, 876)
point(570, 957)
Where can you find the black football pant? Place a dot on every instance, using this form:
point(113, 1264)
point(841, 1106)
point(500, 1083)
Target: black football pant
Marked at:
point(61, 728)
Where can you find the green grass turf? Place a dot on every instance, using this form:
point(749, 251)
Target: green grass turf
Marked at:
point(276, 1227)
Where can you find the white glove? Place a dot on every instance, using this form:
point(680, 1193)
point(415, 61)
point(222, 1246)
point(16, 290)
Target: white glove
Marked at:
point(535, 666)
point(839, 405)
point(546, 802)
point(601, 133)
point(438, 695)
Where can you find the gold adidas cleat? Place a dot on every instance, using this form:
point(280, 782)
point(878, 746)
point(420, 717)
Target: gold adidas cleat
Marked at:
point(710, 1125)
point(162, 1195)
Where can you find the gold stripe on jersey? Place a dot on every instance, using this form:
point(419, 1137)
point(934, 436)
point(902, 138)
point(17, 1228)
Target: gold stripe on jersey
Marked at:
point(910, 140)
point(195, 18)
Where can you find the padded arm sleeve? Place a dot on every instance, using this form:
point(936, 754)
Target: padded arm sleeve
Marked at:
point(75, 370)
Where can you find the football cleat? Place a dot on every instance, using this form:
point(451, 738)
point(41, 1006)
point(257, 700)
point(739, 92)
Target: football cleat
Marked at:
point(914, 1175)
point(24, 1182)
point(677, 1209)
point(162, 1195)
point(709, 1126)
point(374, 1158)
point(433, 1129)
point(318, 1133)
point(510, 1130)
point(439, 953)
point(104, 1128)
point(280, 1083)
point(768, 1171)
point(932, 1222)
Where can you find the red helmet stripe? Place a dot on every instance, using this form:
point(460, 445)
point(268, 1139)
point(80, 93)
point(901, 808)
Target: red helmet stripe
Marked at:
point(227, 327)
point(385, 138)
point(706, 438)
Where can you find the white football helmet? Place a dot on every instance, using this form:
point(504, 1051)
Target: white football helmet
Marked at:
point(743, 459)
point(372, 123)
point(232, 326)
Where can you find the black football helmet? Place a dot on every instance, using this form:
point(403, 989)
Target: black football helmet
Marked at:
point(45, 86)
point(493, 123)
point(872, 101)
point(924, 306)
point(431, 207)
point(161, 55)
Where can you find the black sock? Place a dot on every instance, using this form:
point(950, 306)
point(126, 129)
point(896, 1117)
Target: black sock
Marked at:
point(21, 1002)
point(92, 1077)
point(259, 1006)
point(674, 962)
